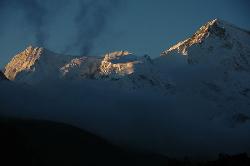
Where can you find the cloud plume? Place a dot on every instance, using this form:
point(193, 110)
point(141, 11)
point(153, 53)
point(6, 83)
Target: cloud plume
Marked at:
point(90, 22)
point(34, 14)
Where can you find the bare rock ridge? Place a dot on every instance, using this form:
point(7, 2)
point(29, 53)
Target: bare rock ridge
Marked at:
point(213, 27)
point(35, 64)
point(120, 63)
point(22, 61)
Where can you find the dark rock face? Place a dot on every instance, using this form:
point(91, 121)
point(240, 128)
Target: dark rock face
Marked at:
point(2, 76)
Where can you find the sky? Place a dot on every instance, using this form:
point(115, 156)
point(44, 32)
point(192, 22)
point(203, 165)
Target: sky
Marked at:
point(95, 27)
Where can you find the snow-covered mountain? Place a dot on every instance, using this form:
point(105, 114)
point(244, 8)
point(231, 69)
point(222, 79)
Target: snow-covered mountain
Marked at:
point(34, 64)
point(111, 65)
point(213, 63)
point(217, 42)
point(200, 86)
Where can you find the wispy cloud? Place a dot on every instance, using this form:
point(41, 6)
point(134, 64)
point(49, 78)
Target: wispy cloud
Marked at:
point(90, 22)
point(34, 13)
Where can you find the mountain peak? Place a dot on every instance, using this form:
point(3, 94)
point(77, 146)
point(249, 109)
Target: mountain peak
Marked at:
point(118, 63)
point(212, 27)
point(215, 28)
point(23, 60)
point(119, 57)
point(215, 22)
point(33, 59)
point(218, 43)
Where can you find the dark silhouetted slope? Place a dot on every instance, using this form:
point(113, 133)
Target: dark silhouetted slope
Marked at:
point(29, 142)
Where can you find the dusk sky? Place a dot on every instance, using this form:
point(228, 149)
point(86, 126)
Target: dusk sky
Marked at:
point(94, 27)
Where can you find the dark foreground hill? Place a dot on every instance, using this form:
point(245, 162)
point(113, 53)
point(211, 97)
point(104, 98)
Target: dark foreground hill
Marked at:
point(43, 143)
point(29, 142)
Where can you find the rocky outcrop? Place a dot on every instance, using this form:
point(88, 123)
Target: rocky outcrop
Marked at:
point(22, 61)
point(80, 68)
point(117, 64)
point(34, 64)
point(213, 27)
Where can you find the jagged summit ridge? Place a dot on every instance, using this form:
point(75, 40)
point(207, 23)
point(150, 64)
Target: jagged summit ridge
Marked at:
point(111, 65)
point(22, 61)
point(213, 29)
point(217, 42)
point(118, 63)
point(210, 27)
point(34, 63)
point(120, 57)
